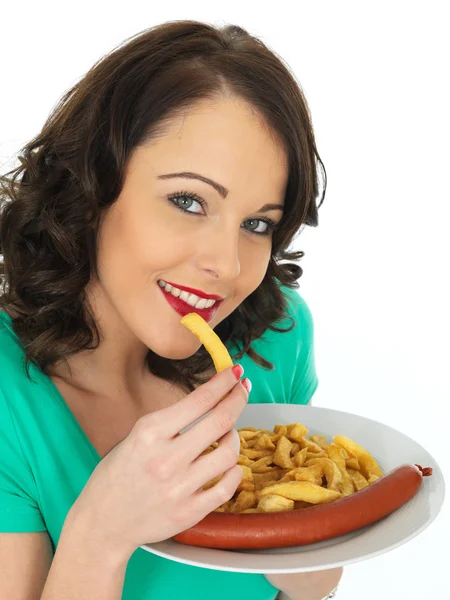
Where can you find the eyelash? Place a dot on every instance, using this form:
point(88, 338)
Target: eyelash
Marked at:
point(271, 225)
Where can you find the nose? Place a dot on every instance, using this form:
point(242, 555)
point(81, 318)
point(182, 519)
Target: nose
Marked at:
point(219, 253)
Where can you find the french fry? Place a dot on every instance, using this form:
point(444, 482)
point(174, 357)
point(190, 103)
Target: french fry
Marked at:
point(352, 463)
point(359, 481)
point(247, 480)
point(368, 464)
point(302, 490)
point(248, 434)
point(331, 472)
point(251, 453)
point(209, 338)
point(295, 448)
point(244, 500)
point(275, 503)
point(263, 465)
point(300, 457)
point(336, 454)
point(320, 440)
point(282, 455)
point(264, 442)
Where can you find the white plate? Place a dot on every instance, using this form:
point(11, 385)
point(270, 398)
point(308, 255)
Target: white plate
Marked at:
point(388, 446)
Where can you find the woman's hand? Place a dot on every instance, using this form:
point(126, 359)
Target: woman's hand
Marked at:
point(313, 585)
point(149, 487)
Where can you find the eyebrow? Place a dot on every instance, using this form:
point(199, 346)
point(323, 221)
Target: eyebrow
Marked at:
point(219, 188)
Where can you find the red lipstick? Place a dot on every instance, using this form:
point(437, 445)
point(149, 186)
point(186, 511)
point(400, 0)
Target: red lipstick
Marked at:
point(183, 308)
point(198, 293)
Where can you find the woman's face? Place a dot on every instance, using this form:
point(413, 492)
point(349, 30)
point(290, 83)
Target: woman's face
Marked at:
point(184, 231)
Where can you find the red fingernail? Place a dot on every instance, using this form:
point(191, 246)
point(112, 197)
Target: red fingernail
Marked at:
point(238, 371)
point(247, 384)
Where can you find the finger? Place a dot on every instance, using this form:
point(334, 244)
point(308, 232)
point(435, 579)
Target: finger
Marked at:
point(195, 405)
point(203, 502)
point(221, 419)
point(209, 466)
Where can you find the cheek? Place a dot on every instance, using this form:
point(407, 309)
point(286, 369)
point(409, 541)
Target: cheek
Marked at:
point(254, 262)
point(127, 247)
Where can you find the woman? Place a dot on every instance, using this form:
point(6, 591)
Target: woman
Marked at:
point(184, 159)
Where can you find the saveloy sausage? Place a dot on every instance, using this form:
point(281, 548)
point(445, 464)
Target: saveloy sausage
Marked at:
point(257, 531)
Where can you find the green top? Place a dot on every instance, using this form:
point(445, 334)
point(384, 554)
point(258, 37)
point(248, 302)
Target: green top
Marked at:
point(46, 458)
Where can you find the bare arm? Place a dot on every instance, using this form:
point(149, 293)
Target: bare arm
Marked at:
point(25, 560)
point(84, 568)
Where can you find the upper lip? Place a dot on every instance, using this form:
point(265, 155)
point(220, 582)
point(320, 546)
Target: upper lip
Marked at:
point(198, 293)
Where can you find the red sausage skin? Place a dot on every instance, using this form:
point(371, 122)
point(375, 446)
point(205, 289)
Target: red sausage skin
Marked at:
point(257, 531)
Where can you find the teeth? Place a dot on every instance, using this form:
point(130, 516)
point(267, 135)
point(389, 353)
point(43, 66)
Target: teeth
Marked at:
point(201, 303)
point(190, 299)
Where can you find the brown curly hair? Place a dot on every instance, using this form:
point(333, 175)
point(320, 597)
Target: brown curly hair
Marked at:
point(73, 171)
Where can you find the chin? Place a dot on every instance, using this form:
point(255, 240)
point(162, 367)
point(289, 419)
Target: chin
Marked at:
point(176, 353)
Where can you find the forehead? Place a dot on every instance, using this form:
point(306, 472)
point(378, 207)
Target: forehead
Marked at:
point(225, 140)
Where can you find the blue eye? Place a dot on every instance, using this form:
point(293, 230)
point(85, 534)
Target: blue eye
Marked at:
point(184, 201)
point(270, 226)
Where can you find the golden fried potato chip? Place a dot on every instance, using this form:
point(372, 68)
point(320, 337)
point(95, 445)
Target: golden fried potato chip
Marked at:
point(336, 454)
point(280, 432)
point(247, 480)
point(295, 448)
point(244, 500)
point(302, 490)
point(263, 465)
point(331, 472)
point(312, 447)
point(300, 457)
point(251, 453)
point(359, 481)
point(320, 440)
point(296, 431)
point(367, 462)
point(275, 503)
point(245, 460)
point(282, 455)
point(264, 442)
point(261, 480)
point(313, 473)
point(352, 463)
point(248, 433)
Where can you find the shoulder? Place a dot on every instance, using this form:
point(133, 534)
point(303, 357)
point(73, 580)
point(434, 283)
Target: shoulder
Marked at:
point(297, 307)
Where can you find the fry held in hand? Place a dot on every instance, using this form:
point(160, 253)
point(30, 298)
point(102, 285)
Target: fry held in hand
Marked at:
point(209, 338)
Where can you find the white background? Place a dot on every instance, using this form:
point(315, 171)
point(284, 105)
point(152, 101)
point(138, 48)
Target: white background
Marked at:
point(376, 80)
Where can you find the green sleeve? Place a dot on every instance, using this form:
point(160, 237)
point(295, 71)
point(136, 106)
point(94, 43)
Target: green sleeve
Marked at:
point(18, 508)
